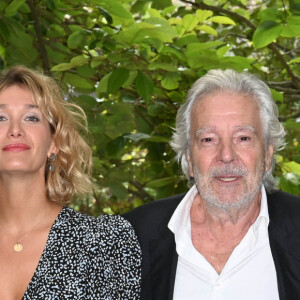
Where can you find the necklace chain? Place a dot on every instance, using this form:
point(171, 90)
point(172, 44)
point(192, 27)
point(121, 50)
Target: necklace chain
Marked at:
point(18, 247)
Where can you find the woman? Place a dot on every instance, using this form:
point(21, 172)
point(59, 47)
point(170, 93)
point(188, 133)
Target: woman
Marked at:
point(47, 250)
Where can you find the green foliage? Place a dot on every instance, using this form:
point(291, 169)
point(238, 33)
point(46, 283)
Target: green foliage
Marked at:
point(129, 64)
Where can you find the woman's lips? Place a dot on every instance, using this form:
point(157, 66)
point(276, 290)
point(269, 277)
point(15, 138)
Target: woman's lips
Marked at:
point(16, 147)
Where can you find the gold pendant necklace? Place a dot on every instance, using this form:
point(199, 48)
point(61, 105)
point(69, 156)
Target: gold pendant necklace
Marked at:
point(18, 247)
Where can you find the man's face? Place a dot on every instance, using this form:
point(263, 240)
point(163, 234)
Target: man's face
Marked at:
point(227, 155)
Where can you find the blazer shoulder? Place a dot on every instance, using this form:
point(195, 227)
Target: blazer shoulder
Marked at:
point(283, 205)
point(155, 214)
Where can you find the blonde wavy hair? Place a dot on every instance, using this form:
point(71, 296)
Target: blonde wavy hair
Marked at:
point(68, 125)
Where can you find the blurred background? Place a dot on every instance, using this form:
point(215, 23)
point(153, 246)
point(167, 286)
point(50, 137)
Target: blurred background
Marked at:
point(129, 65)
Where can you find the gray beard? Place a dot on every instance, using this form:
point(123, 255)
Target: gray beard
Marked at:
point(213, 200)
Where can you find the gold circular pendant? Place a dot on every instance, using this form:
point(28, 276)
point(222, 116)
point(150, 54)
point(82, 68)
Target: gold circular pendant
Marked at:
point(18, 247)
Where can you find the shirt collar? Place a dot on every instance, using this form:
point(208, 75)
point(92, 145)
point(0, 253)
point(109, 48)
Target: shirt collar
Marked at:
point(180, 219)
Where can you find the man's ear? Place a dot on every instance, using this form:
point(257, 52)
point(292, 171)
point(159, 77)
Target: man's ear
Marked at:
point(189, 161)
point(269, 157)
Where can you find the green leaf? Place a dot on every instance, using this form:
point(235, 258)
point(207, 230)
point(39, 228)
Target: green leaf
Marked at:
point(295, 60)
point(144, 86)
point(86, 102)
point(187, 39)
point(156, 109)
point(158, 139)
point(13, 7)
point(102, 86)
point(78, 81)
point(4, 30)
point(152, 28)
point(154, 13)
point(77, 39)
point(120, 108)
point(117, 78)
point(292, 124)
point(51, 4)
point(79, 60)
point(161, 30)
point(271, 14)
point(266, 33)
point(161, 4)
point(223, 50)
point(195, 49)
point(169, 10)
point(106, 15)
point(114, 8)
point(190, 22)
point(62, 67)
point(277, 96)
point(162, 66)
point(118, 175)
point(207, 29)
point(170, 81)
point(290, 167)
point(172, 50)
point(221, 20)
point(289, 182)
point(202, 15)
point(119, 124)
point(295, 7)
point(117, 189)
point(291, 27)
point(161, 182)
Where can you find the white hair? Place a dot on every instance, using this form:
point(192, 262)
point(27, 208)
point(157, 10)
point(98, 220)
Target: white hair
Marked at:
point(242, 83)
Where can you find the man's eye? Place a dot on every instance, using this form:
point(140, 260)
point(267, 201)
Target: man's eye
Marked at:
point(206, 140)
point(245, 138)
point(2, 118)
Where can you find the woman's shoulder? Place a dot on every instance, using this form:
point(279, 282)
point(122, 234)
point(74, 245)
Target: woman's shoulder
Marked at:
point(111, 227)
point(76, 218)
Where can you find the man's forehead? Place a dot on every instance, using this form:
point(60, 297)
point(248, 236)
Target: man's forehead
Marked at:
point(214, 129)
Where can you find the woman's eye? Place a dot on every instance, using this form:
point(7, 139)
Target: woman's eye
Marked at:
point(32, 119)
point(2, 118)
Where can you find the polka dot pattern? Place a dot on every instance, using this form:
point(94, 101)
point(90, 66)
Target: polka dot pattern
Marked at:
point(88, 258)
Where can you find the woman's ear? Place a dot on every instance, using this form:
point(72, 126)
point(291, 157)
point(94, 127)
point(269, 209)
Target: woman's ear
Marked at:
point(52, 149)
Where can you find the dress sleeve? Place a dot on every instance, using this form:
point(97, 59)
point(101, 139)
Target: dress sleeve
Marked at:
point(116, 262)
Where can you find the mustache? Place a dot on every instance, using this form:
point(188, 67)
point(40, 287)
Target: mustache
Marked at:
point(228, 170)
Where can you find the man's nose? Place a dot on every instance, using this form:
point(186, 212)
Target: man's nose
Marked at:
point(227, 152)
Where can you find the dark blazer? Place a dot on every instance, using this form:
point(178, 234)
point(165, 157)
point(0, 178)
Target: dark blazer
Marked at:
point(160, 258)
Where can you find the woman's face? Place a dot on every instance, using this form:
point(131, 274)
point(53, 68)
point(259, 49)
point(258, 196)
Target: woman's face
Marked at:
point(25, 137)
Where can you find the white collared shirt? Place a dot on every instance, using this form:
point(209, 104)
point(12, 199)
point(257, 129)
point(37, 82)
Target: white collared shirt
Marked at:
point(249, 273)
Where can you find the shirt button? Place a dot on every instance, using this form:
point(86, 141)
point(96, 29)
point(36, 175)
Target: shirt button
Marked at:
point(218, 286)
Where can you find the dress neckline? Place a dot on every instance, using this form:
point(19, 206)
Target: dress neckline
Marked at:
point(34, 277)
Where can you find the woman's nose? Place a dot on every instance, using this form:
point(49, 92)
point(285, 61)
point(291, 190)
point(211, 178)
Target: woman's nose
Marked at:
point(16, 129)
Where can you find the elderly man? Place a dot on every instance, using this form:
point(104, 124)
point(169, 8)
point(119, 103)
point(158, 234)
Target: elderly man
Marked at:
point(232, 236)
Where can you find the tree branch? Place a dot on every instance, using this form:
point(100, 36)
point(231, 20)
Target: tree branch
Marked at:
point(37, 28)
point(293, 116)
point(141, 192)
point(295, 78)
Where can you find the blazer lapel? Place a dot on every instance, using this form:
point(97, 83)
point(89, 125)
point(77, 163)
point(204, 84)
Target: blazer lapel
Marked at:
point(163, 262)
point(284, 237)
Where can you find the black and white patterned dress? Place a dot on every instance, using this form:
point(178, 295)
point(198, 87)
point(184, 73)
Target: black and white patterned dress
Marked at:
point(88, 258)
